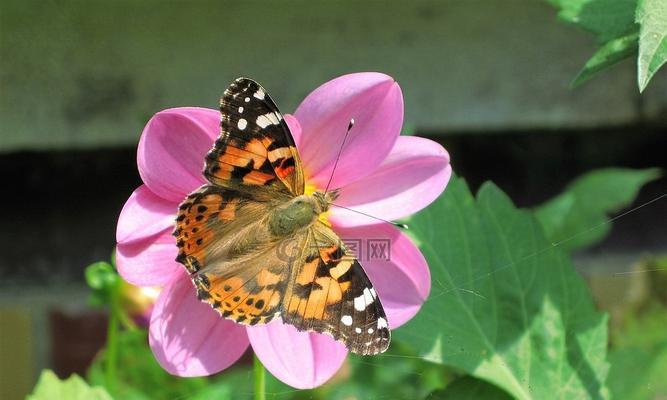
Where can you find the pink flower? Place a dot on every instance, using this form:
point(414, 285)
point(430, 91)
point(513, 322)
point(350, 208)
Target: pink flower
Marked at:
point(380, 173)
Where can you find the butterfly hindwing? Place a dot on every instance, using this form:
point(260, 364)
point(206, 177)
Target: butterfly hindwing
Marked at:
point(255, 149)
point(247, 291)
point(233, 260)
point(329, 292)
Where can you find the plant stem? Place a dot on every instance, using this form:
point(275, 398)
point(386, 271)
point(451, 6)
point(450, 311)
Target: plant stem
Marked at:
point(112, 344)
point(260, 379)
point(125, 320)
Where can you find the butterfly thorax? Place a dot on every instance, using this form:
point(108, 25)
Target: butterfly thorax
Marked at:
point(298, 213)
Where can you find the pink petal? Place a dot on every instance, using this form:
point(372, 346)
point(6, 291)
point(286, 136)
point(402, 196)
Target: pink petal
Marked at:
point(150, 261)
point(375, 103)
point(413, 175)
point(172, 149)
point(399, 274)
point(188, 337)
point(300, 359)
point(294, 127)
point(144, 215)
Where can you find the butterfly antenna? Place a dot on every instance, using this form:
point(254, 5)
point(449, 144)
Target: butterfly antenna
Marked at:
point(340, 151)
point(396, 224)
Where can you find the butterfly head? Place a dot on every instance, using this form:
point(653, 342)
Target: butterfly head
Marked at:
point(323, 200)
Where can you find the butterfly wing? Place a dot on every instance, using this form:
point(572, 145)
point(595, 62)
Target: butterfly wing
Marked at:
point(255, 150)
point(249, 276)
point(248, 291)
point(221, 228)
point(210, 225)
point(237, 265)
point(329, 292)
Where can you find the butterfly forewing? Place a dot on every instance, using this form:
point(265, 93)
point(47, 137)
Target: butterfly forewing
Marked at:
point(255, 149)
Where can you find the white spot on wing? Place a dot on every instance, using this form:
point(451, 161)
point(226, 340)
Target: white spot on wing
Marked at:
point(242, 124)
point(370, 330)
point(358, 330)
point(247, 99)
point(346, 320)
point(368, 296)
point(259, 94)
point(267, 119)
point(240, 109)
point(359, 303)
point(382, 323)
point(364, 300)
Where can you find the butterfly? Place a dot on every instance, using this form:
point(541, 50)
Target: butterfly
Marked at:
point(257, 245)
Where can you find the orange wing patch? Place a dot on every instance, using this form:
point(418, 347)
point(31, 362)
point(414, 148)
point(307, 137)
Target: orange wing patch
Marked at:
point(197, 215)
point(248, 296)
point(245, 302)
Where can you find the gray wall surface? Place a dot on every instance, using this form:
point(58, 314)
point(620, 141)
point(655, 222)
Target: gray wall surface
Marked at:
point(82, 74)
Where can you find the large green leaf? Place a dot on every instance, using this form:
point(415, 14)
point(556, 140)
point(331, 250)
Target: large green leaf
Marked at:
point(505, 306)
point(469, 388)
point(49, 387)
point(578, 217)
point(652, 18)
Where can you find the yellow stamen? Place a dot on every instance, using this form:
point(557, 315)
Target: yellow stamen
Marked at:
point(310, 189)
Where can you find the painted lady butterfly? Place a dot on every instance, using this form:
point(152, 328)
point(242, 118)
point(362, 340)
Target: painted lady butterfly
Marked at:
point(255, 241)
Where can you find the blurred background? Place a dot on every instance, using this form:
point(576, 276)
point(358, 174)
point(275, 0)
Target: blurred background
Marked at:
point(489, 79)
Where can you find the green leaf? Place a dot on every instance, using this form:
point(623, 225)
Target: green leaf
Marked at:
point(578, 217)
point(610, 53)
point(104, 280)
point(397, 374)
point(230, 385)
point(607, 19)
point(505, 306)
point(469, 388)
point(638, 374)
point(652, 18)
point(140, 376)
point(639, 357)
point(50, 387)
point(101, 275)
point(612, 22)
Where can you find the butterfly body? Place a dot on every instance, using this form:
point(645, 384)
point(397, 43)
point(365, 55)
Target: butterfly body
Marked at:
point(259, 247)
point(298, 213)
